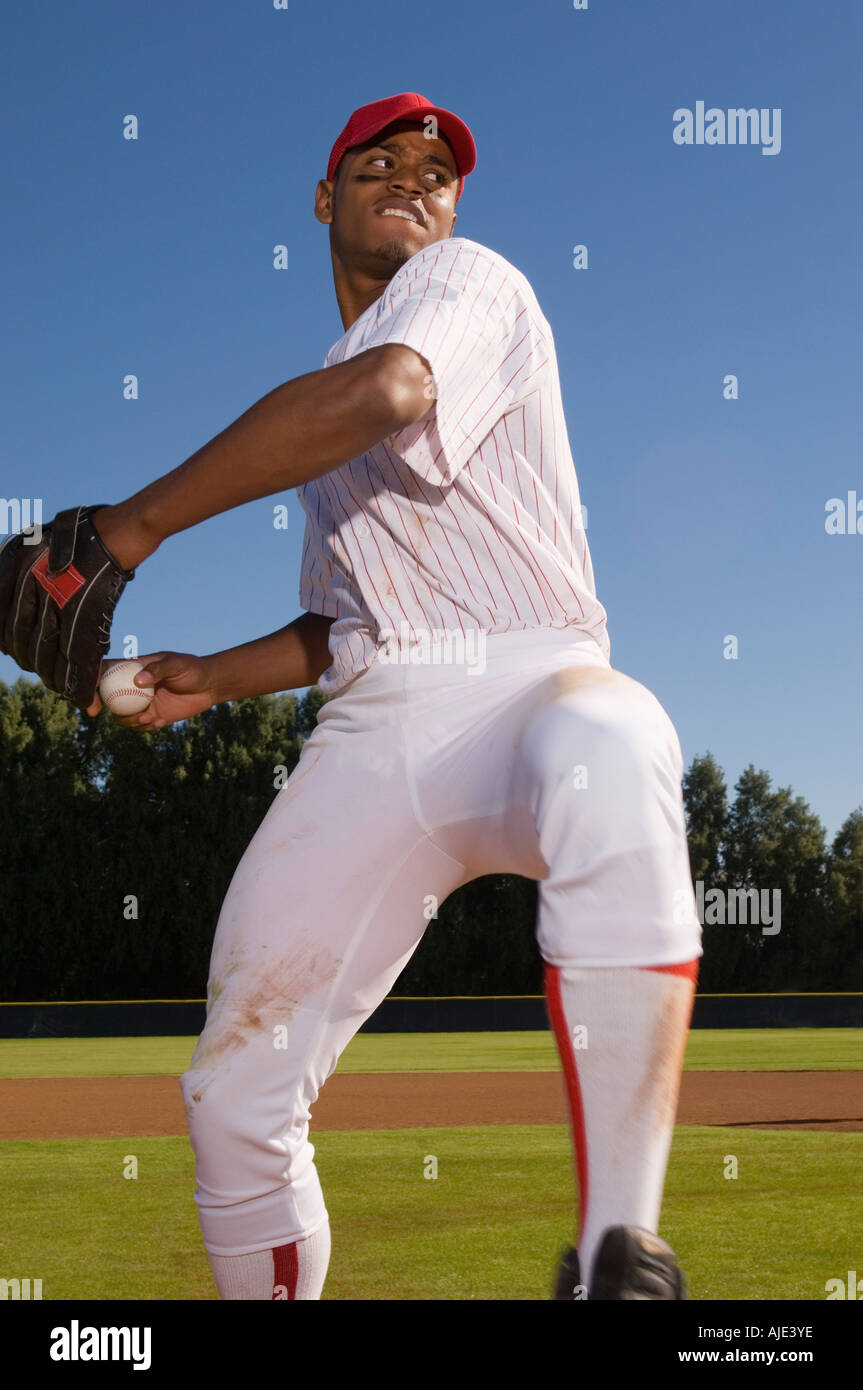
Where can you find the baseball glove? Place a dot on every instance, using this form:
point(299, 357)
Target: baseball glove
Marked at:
point(58, 592)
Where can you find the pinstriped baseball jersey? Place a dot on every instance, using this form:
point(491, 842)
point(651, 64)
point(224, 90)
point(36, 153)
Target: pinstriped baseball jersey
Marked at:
point(470, 518)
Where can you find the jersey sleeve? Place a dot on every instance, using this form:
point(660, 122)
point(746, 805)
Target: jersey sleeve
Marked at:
point(469, 314)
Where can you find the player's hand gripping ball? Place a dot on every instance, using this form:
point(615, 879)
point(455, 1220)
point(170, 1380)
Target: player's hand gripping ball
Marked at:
point(119, 693)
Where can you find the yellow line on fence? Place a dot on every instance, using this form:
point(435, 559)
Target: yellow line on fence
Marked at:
point(426, 998)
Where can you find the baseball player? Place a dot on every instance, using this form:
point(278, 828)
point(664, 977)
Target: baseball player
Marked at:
point(476, 724)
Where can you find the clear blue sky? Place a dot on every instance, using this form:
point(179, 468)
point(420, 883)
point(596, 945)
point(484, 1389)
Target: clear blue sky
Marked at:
point(706, 516)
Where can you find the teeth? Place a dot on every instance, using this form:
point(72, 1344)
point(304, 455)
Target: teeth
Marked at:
point(398, 212)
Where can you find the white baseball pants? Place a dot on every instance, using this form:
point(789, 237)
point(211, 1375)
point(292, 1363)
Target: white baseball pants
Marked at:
point(540, 761)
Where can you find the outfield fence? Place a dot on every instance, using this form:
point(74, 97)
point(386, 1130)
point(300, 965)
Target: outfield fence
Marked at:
point(104, 1018)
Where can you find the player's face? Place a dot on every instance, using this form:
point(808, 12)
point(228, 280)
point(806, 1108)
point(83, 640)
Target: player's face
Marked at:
point(392, 197)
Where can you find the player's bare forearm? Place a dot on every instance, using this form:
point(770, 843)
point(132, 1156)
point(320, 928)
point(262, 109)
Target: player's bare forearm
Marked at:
point(293, 657)
point(302, 429)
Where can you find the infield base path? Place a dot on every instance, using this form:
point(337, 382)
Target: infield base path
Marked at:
point(116, 1106)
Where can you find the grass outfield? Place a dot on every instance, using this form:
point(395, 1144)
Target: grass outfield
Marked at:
point(490, 1226)
point(720, 1049)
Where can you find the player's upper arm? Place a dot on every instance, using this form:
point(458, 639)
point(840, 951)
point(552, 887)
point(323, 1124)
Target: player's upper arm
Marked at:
point(405, 379)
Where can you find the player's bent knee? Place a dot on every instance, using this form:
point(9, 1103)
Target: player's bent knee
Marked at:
point(603, 767)
point(265, 1144)
point(606, 739)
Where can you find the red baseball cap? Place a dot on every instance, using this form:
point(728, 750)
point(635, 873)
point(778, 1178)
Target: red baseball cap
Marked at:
point(368, 120)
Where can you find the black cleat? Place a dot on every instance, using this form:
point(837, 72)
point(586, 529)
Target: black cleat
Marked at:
point(568, 1285)
point(631, 1264)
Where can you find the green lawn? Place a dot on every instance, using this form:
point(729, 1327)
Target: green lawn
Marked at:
point(765, 1049)
point(489, 1226)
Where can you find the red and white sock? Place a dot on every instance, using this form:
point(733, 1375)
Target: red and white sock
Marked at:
point(621, 1034)
point(289, 1272)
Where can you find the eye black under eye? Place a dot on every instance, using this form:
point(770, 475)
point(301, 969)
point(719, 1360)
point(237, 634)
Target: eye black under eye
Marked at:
point(444, 178)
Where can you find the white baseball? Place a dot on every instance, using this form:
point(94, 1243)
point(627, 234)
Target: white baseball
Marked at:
point(118, 691)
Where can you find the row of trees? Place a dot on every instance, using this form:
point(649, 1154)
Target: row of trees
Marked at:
point(769, 840)
point(116, 850)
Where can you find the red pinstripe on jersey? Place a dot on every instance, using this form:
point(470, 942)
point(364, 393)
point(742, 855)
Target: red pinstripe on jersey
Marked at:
point(471, 517)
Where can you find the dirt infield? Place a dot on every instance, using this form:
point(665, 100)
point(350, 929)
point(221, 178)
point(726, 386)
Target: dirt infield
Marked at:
point(116, 1106)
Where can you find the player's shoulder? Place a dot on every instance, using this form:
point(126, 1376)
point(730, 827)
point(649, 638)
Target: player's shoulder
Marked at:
point(467, 255)
point(468, 265)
